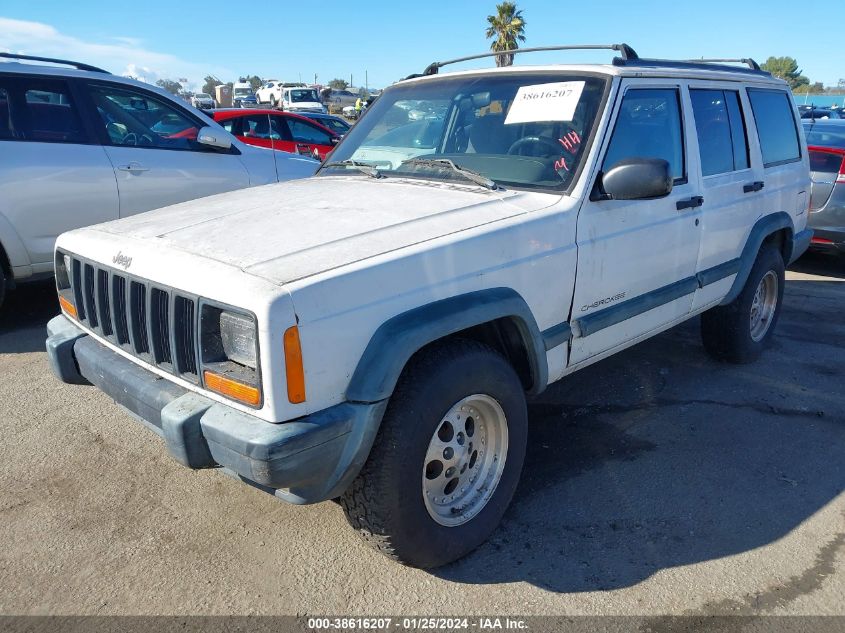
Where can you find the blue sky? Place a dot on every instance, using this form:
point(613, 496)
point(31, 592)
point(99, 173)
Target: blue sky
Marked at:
point(387, 40)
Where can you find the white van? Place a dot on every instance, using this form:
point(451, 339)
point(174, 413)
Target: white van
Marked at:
point(301, 99)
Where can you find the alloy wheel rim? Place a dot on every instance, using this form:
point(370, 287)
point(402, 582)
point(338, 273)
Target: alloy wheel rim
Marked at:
point(465, 460)
point(763, 306)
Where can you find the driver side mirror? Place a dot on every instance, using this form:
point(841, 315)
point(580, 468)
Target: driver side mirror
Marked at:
point(214, 138)
point(635, 179)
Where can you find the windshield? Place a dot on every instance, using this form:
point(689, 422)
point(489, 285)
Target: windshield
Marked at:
point(243, 92)
point(303, 95)
point(523, 130)
point(202, 95)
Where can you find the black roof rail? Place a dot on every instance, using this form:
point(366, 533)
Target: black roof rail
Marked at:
point(627, 53)
point(64, 62)
point(693, 64)
point(742, 60)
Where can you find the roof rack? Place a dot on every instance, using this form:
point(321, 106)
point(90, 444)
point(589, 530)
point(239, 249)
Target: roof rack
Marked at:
point(627, 54)
point(691, 64)
point(64, 62)
point(742, 60)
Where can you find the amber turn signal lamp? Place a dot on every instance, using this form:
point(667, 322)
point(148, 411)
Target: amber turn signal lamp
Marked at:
point(232, 388)
point(68, 307)
point(293, 366)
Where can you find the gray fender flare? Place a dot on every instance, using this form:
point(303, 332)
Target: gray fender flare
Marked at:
point(400, 337)
point(764, 227)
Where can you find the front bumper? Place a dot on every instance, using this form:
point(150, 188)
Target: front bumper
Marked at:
point(303, 461)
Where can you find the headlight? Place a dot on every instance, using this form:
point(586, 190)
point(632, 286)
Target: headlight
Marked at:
point(237, 333)
point(63, 287)
point(229, 353)
point(63, 265)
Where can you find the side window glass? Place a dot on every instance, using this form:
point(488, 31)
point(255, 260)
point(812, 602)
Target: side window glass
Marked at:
point(229, 125)
point(775, 126)
point(305, 133)
point(279, 128)
point(649, 126)
point(7, 129)
point(41, 111)
point(256, 126)
point(739, 135)
point(713, 128)
point(137, 119)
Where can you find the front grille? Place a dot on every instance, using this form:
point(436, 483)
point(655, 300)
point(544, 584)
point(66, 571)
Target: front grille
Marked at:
point(152, 322)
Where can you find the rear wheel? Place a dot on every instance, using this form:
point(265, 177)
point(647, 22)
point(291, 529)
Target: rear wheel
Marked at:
point(272, 101)
point(739, 331)
point(447, 458)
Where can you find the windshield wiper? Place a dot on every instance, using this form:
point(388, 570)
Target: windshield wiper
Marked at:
point(474, 176)
point(371, 171)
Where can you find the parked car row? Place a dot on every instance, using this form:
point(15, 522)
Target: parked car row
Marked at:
point(102, 147)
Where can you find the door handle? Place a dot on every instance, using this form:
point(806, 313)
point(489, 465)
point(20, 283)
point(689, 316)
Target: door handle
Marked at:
point(133, 167)
point(753, 186)
point(691, 203)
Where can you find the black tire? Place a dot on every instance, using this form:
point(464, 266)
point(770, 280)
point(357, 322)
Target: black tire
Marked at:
point(726, 330)
point(272, 101)
point(385, 503)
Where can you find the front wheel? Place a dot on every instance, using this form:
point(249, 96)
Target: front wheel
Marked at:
point(447, 458)
point(738, 332)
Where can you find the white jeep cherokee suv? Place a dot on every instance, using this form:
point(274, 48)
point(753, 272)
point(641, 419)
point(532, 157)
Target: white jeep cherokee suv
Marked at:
point(80, 146)
point(372, 333)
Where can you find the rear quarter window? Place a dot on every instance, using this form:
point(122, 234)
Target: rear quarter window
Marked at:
point(776, 127)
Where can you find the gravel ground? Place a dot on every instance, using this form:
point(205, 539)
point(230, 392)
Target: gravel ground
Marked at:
point(656, 482)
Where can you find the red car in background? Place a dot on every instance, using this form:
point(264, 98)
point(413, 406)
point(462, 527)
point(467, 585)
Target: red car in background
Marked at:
point(283, 131)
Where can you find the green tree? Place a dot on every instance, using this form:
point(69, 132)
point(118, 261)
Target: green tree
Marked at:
point(211, 82)
point(787, 69)
point(338, 84)
point(254, 81)
point(816, 88)
point(173, 87)
point(508, 29)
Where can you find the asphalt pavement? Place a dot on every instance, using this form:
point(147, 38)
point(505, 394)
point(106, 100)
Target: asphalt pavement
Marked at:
point(656, 482)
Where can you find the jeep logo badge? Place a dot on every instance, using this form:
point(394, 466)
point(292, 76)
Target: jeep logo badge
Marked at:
point(122, 260)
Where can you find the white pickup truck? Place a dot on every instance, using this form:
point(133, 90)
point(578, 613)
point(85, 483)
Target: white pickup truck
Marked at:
point(372, 333)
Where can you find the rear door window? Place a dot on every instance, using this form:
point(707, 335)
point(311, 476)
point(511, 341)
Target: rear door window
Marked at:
point(649, 125)
point(6, 128)
point(775, 126)
point(40, 110)
point(720, 130)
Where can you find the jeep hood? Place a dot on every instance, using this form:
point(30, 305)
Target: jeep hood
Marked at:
point(291, 230)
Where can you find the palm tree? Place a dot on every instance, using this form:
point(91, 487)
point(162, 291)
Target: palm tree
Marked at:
point(508, 27)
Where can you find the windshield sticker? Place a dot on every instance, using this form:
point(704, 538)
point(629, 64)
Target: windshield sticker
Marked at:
point(570, 142)
point(545, 102)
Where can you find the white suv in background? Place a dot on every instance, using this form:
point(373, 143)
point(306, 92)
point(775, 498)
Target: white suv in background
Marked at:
point(80, 146)
point(270, 92)
point(372, 333)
